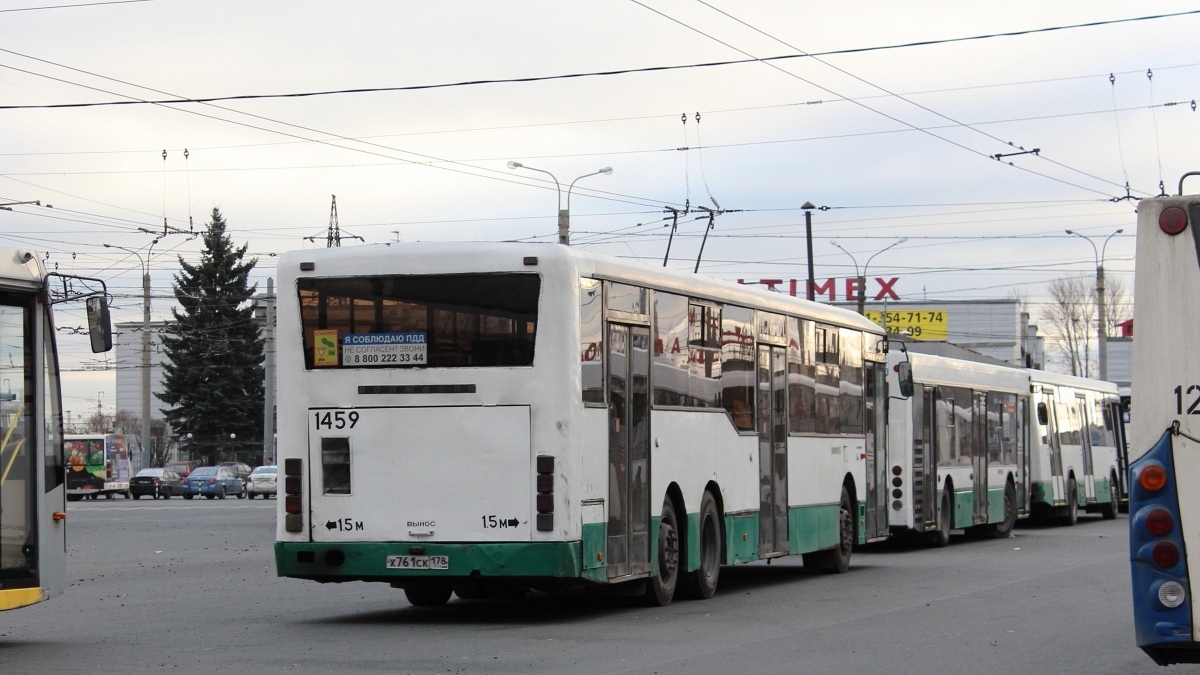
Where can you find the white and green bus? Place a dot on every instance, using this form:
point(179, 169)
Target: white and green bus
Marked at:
point(32, 469)
point(487, 418)
point(958, 446)
point(1077, 430)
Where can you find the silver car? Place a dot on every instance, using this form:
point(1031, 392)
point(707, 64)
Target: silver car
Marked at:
point(261, 482)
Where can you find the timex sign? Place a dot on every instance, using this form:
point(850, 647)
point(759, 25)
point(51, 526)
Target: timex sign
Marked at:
point(877, 288)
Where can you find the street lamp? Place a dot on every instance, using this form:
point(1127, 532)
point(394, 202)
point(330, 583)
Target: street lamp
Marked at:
point(564, 215)
point(1101, 323)
point(862, 279)
point(145, 262)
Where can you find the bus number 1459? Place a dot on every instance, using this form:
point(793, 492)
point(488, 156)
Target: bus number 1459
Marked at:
point(339, 419)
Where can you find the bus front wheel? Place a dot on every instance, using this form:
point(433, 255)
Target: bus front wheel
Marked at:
point(945, 516)
point(1109, 511)
point(1072, 515)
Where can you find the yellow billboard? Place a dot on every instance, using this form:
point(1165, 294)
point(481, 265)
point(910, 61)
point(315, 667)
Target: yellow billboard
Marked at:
point(918, 324)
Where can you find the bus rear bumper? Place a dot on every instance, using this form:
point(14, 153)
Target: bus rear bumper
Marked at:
point(381, 561)
point(21, 597)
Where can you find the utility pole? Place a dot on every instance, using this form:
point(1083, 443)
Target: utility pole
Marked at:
point(812, 281)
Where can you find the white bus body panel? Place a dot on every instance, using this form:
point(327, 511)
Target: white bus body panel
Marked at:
point(1165, 280)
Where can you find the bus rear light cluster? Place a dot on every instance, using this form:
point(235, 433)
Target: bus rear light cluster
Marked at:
point(545, 493)
point(293, 490)
point(1173, 220)
point(1172, 594)
point(1165, 554)
point(897, 482)
point(1159, 522)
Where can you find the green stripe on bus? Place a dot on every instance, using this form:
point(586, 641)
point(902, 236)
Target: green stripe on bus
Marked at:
point(741, 544)
point(964, 504)
point(369, 560)
point(594, 540)
point(1041, 492)
point(995, 507)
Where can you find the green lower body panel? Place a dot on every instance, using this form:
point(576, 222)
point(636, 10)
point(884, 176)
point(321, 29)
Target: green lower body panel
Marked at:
point(995, 507)
point(964, 505)
point(368, 561)
point(741, 538)
point(1041, 494)
point(1104, 490)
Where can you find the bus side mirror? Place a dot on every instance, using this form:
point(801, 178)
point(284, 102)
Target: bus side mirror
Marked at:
point(99, 324)
point(1043, 415)
point(904, 377)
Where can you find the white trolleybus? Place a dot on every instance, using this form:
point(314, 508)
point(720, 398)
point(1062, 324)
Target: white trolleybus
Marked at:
point(958, 446)
point(1164, 449)
point(32, 495)
point(1078, 431)
point(493, 418)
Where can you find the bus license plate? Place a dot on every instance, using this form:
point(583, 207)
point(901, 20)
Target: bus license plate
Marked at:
point(418, 562)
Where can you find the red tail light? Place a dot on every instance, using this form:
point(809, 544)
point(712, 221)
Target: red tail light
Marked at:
point(212, 481)
point(157, 481)
point(1173, 220)
point(292, 504)
point(1159, 522)
point(1165, 554)
point(293, 470)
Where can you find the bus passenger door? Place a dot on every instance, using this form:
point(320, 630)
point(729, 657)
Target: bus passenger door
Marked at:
point(925, 479)
point(1046, 401)
point(979, 457)
point(1023, 444)
point(877, 464)
point(628, 546)
point(772, 451)
point(1085, 446)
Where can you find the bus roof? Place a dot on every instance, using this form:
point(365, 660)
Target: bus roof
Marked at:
point(1061, 380)
point(452, 257)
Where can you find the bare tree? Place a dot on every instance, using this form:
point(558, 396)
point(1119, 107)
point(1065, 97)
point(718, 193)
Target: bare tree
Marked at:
point(1117, 306)
point(125, 422)
point(1070, 317)
point(98, 423)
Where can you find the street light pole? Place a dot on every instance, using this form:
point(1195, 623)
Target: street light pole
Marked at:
point(862, 279)
point(564, 215)
point(1102, 320)
point(812, 281)
point(145, 440)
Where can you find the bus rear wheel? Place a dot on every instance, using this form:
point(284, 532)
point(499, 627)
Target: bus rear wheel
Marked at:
point(702, 583)
point(1109, 511)
point(945, 519)
point(1072, 515)
point(837, 560)
point(1003, 529)
point(665, 572)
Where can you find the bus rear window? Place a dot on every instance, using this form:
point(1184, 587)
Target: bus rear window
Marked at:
point(426, 321)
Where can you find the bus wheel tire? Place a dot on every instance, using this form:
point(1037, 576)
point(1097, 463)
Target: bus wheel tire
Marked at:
point(1109, 511)
point(1072, 515)
point(1003, 529)
point(428, 595)
point(941, 537)
point(702, 583)
point(664, 574)
point(838, 559)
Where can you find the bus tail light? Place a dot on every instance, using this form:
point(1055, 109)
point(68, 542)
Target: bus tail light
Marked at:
point(1165, 554)
point(545, 493)
point(1159, 522)
point(293, 488)
point(1172, 594)
point(1173, 220)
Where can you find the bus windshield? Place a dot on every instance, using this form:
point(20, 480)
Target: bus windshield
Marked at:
point(436, 321)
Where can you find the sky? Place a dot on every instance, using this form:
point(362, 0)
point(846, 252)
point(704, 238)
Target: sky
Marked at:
point(887, 117)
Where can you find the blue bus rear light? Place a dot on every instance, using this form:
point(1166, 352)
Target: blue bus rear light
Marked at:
point(1172, 594)
point(1159, 522)
point(1165, 554)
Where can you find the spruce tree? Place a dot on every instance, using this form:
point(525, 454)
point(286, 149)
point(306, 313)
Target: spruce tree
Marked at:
point(213, 375)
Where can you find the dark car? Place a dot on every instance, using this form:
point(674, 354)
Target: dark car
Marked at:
point(242, 469)
point(183, 466)
point(156, 482)
point(214, 482)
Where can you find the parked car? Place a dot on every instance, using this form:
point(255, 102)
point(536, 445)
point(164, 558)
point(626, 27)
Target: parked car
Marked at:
point(156, 482)
point(242, 469)
point(261, 482)
point(214, 482)
point(183, 467)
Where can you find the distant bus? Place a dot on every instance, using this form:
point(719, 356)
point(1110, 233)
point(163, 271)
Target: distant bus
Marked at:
point(1164, 448)
point(32, 505)
point(1077, 457)
point(958, 446)
point(97, 464)
point(485, 419)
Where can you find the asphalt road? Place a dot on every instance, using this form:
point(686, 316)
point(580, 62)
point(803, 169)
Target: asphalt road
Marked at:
point(186, 586)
